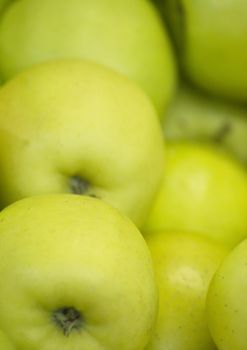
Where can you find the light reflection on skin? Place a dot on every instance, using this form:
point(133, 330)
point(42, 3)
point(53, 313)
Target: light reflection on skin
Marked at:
point(187, 276)
point(198, 184)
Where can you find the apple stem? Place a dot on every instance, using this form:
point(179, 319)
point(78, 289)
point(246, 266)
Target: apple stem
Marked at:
point(67, 319)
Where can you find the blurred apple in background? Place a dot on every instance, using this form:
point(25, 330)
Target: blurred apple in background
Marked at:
point(211, 41)
point(204, 190)
point(196, 116)
point(227, 301)
point(77, 275)
point(184, 264)
point(127, 36)
point(75, 126)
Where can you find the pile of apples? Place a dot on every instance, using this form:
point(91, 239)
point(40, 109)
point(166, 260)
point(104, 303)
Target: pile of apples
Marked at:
point(123, 181)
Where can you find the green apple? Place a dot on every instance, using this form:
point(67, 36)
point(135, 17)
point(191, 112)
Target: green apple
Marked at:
point(211, 38)
point(203, 190)
point(125, 35)
point(77, 275)
point(196, 116)
point(184, 264)
point(227, 301)
point(5, 343)
point(76, 126)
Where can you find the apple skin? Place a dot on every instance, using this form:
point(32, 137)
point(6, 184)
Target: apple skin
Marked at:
point(204, 190)
point(127, 36)
point(4, 4)
point(211, 40)
point(67, 120)
point(227, 301)
point(184, 264)
point(193, 115)
point(67, 251)
point(5, 343)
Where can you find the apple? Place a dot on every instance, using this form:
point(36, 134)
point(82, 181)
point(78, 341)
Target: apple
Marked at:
point(127, 36)
point(76, 126)
point(203, 190)
point(193, 115)
point(211, 40)
point(184, 264)
point(77, 275)
point(5, 343)
point(227, 301)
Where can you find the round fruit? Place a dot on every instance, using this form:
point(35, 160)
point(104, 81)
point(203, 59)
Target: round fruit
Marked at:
point(77, 275)
point(127, 36)
point(76, 126)
point(227, 301)
point(193, 115)
point(203, 190)
point(211, 38)
point(184, 265)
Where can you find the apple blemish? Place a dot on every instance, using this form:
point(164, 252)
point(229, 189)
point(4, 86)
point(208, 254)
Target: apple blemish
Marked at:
point(67, 319)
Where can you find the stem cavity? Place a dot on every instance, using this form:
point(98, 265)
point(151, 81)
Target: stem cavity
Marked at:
point(79, 185)
point(67, 320)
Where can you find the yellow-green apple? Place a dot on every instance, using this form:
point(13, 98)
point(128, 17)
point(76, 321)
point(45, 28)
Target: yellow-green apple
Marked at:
point(76, 126)
point(227, 301)
point(77, 275)
point(184, 264)
point(203, 190)
point(5, 343)
point(193, 115)
point(211, 38)
point(125, 35)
